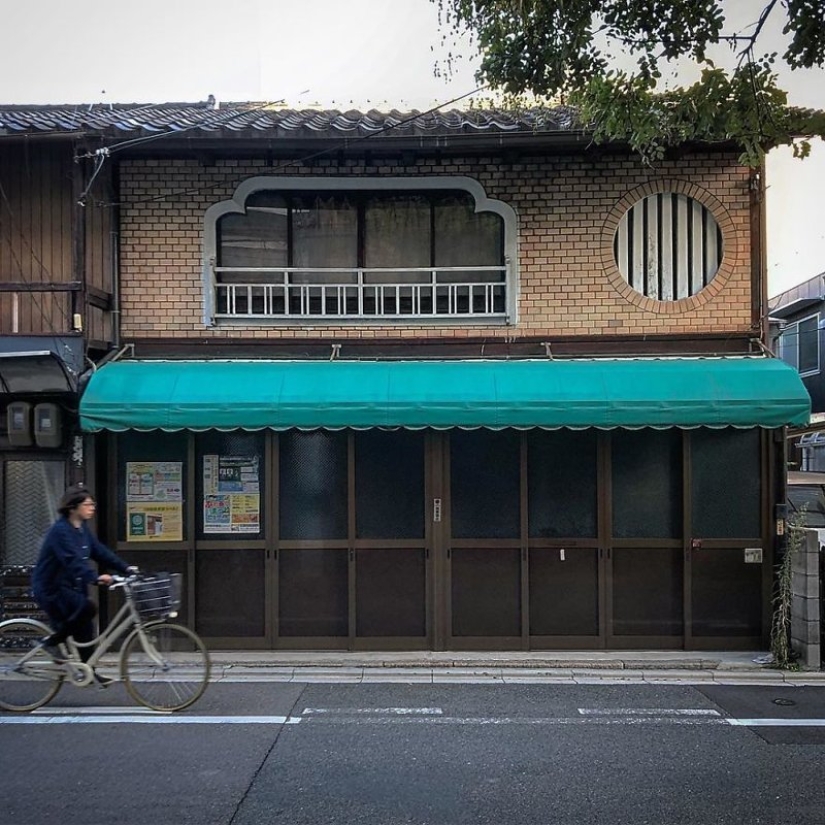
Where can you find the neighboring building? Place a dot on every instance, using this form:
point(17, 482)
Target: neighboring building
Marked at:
point(55, 314)
point(799, 316)
point(434, 381)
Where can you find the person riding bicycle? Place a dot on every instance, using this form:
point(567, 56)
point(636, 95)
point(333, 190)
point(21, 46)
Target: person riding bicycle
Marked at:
point(63, 573)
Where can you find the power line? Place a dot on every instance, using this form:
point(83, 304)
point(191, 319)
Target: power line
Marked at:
point(106, 151)
point(295, 161)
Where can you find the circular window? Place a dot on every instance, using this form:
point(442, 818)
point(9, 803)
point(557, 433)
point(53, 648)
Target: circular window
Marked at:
point(668, 246)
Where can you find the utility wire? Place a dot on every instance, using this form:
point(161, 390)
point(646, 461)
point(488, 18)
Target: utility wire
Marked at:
point(296, 161)
point(231, 115)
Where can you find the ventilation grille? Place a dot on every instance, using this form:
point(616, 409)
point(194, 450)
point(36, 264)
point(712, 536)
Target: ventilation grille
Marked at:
point(668, 246)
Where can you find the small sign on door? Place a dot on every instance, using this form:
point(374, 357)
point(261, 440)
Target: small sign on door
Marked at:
point(753, 555)
point(436, 509)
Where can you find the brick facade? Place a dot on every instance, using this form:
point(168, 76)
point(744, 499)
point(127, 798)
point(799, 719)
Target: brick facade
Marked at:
point(568, 208)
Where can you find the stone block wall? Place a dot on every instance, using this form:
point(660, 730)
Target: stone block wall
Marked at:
point(806, 616)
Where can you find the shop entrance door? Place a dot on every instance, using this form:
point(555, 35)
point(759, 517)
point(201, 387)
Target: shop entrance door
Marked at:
point(524, 560)
point(353, 546)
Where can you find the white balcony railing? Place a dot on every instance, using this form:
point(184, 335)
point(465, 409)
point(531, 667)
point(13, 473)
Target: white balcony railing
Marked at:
point(255, 293)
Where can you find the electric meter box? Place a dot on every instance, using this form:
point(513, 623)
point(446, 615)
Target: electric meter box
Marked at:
point(19, 423)
point(48, 425)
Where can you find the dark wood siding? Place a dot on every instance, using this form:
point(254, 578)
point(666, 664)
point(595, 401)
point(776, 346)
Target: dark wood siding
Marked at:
point(35, 238)
point(99, 272)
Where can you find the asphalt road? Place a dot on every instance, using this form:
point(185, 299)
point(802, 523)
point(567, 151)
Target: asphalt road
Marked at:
point(273, 753)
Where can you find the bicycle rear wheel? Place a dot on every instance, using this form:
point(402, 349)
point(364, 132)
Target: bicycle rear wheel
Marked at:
point(169, 671)
point(26, 685)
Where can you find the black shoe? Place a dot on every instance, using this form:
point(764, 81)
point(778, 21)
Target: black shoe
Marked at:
point(52, 650)
point(103, 681)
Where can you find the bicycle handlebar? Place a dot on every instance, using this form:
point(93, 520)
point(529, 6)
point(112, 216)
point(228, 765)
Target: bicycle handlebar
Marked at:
point(120, 581)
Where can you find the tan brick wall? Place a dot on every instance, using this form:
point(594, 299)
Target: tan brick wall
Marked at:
point(567, 211)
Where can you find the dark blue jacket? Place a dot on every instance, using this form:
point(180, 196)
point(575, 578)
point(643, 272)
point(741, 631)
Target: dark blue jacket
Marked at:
point(63, 571)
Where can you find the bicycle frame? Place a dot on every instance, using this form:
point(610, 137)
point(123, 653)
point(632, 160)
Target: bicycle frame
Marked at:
point(81, 673)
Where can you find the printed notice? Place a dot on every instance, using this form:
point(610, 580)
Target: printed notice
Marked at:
point(154, 501)
point(154, 521)
point(154, 481)
point(231, 494)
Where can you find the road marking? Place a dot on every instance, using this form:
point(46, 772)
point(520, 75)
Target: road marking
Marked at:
point(777, 723)
point(648, 712)
point(375, 711)
point(155, 719)
point(120, 711)
point(517, 720)
point(137, 716)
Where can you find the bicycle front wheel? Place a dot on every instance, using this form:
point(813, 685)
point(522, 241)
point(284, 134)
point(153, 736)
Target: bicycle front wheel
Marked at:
point(28, 677)
point(166, 668)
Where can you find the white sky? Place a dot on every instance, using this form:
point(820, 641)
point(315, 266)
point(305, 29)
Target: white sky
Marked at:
point(331, 53)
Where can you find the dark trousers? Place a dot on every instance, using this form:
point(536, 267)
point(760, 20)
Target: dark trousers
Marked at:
point(81, 628)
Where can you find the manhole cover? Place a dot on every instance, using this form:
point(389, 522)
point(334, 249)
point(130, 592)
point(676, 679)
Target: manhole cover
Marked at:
point(785, 703)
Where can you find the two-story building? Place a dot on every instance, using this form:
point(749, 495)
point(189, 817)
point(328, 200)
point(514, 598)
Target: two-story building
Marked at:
point(451, 380)
point(56, 310)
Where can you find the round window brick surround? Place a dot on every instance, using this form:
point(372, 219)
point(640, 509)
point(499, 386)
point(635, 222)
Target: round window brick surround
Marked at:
point(706, 230)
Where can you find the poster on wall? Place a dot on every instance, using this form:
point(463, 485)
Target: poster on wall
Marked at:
point(231, 494)
point(154, 501)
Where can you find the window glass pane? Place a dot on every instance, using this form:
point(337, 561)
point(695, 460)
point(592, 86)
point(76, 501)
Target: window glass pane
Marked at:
point(230, 485)
point(313, 593)
point(390, 592)
point(257, 238)
point(324, 234)
point(234, 611)
point(726, 487)
point(561, 483)
point(648, 591)
point(466, 238)
point(485, 484)
point(726, 593)
point(389, 484)
point(146, 463)
point(789, 345)
point(397, 234)
point(486, 592)
point(313, 485)
point(647, 483)
point(32, 490)
point(809, 344)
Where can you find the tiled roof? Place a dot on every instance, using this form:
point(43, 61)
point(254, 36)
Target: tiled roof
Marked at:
point(259, 119)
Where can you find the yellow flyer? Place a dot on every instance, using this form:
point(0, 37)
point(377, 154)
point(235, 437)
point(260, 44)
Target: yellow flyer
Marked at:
point(154, 521)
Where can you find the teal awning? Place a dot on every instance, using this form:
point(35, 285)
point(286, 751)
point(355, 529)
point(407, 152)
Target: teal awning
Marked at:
point(604, 393)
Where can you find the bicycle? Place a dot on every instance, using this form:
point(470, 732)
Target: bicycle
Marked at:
point(164, 666)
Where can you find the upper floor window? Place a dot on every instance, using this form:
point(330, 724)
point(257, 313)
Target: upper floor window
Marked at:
point(346, 249)
point(799, 345)
point(668, 246)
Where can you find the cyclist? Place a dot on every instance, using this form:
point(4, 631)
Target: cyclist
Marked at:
point(63, 573)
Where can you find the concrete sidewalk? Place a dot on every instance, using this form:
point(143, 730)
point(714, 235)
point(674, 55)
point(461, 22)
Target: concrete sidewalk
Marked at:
point(557, 667)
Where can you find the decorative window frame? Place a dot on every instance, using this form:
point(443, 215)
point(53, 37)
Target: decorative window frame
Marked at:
point(731, 254)
point(274, 183)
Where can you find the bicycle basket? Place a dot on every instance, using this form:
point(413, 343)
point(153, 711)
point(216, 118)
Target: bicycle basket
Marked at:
point(156, 595)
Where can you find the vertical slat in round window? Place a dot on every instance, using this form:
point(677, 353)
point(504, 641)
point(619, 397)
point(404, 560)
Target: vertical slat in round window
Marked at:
point(668, 246)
